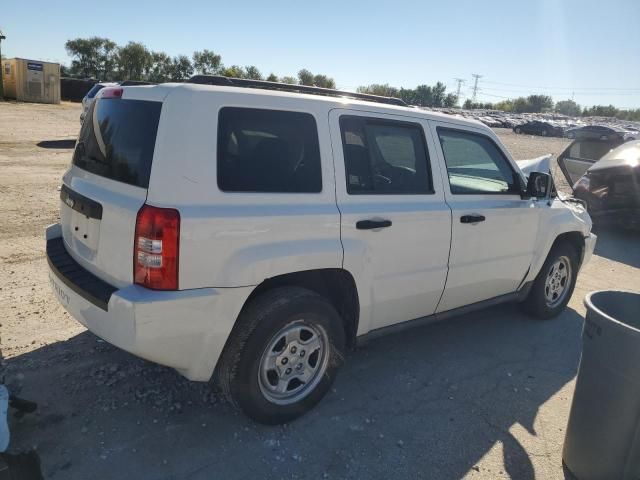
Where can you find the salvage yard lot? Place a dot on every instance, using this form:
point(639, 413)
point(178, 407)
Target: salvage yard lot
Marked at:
point(484, 395)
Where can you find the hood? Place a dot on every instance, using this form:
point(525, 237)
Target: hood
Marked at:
point(626, 155)
point(540, 164)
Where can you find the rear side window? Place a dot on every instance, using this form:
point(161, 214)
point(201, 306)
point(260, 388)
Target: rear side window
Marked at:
point(384, 156)
point(268, 151)
point(117, 140)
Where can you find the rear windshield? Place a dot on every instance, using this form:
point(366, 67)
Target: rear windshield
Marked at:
point(117, 140)
point(95, 89)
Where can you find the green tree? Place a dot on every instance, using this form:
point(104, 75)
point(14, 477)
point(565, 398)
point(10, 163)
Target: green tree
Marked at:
point(305, 77)
point(107, 59)
point(272, 78)
point(133, 61)
point(504, 105)
point(450, 101)
point(181, 68)
point(207, 62)
point(323, 81)
point(601, 111)
point(252, 72)
point(91, 57)
point(160, 68)
point(383, 90)
point(568, 107)
point(289, 80)
point(233, 71)
point(539, 103)
point(520, 105)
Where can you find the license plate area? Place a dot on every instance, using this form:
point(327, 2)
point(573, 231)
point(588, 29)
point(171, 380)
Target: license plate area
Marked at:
point(80, 217)
point(85, 230)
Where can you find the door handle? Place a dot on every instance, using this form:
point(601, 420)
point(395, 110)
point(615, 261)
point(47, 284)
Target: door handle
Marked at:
point(472, 218)
point(371, 224)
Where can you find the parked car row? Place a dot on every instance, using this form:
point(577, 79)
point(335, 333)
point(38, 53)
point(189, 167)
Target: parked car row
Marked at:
point(549, 124)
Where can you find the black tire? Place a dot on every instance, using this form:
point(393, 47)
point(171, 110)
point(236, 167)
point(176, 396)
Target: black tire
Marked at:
point(238, 371)
point(536, 303)
point(518, 130)
point(543, 133)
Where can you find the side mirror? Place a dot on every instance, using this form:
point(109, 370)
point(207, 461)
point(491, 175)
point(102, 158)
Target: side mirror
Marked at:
point(538, 185)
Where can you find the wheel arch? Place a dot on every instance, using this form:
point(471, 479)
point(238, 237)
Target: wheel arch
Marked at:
point(573, 238)
point(335, 284)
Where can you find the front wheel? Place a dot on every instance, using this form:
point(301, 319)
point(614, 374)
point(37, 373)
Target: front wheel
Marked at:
point(554, 285)
point(283, 355)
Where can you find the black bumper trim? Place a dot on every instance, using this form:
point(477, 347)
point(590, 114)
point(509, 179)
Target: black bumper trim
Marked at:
point(81, 281)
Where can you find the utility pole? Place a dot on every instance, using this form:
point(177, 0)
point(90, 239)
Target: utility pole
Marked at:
point(475, 85)
point(2, 37)
point(460, 82)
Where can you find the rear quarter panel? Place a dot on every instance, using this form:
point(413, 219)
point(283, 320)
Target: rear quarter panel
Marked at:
point(231, 239)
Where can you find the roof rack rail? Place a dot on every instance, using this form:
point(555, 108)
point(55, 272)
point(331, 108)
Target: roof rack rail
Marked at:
point(287, 87)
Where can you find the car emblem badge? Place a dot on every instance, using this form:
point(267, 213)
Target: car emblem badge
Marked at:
point(70, 201)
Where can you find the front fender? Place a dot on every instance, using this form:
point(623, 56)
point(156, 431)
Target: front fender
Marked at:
point(558, 219)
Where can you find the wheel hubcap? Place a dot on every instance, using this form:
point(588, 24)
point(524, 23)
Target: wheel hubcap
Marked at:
point(293, 362)
point(557, 282)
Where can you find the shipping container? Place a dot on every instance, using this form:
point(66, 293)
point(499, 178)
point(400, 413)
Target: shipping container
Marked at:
point(31, 80)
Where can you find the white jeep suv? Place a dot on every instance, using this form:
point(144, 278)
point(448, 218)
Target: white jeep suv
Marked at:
point(251, 233)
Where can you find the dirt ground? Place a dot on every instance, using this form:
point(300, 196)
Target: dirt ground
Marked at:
point(483, 396)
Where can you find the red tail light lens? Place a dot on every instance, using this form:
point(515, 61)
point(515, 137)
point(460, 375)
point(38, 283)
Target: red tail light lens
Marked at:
point(111, 92)
point(155, 251)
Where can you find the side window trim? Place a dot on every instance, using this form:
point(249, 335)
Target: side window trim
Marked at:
point(378, 120)
point(516, 176)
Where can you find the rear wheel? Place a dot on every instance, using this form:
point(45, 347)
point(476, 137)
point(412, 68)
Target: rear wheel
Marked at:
point(283, 355)
point(518, 130)
point(554, 285)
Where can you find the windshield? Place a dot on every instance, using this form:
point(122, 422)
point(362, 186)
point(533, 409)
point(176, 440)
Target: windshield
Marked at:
point(117, 140)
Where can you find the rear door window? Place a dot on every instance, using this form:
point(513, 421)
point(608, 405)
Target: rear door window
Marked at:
point(268, 151)
point(384, 156)
point(117, 140)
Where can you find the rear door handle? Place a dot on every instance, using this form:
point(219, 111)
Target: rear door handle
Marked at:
point(472, 218)
point(371, 224)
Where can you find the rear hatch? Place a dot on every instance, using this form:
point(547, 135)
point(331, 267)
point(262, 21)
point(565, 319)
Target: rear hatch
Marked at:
point(107, 183)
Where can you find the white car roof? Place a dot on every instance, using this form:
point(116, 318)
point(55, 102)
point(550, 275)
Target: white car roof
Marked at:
point(159, 92)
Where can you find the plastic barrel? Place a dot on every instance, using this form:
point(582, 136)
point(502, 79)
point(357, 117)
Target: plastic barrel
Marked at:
point(603, 435)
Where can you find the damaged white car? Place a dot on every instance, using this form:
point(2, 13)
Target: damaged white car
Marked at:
point(251, 233)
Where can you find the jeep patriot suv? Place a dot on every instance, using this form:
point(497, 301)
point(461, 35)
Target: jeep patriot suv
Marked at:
point(250, 233)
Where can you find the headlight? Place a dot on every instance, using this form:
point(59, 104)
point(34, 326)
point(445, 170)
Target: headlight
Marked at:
point(582, 183)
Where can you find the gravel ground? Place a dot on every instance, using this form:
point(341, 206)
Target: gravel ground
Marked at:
point(483, 396)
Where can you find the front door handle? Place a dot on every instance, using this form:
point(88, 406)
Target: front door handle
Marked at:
point(472, 218)
point(371, 224)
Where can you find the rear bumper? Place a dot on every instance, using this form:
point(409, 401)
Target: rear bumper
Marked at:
point(185, 330)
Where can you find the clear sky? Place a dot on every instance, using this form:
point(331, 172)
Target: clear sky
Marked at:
point(588, 49)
